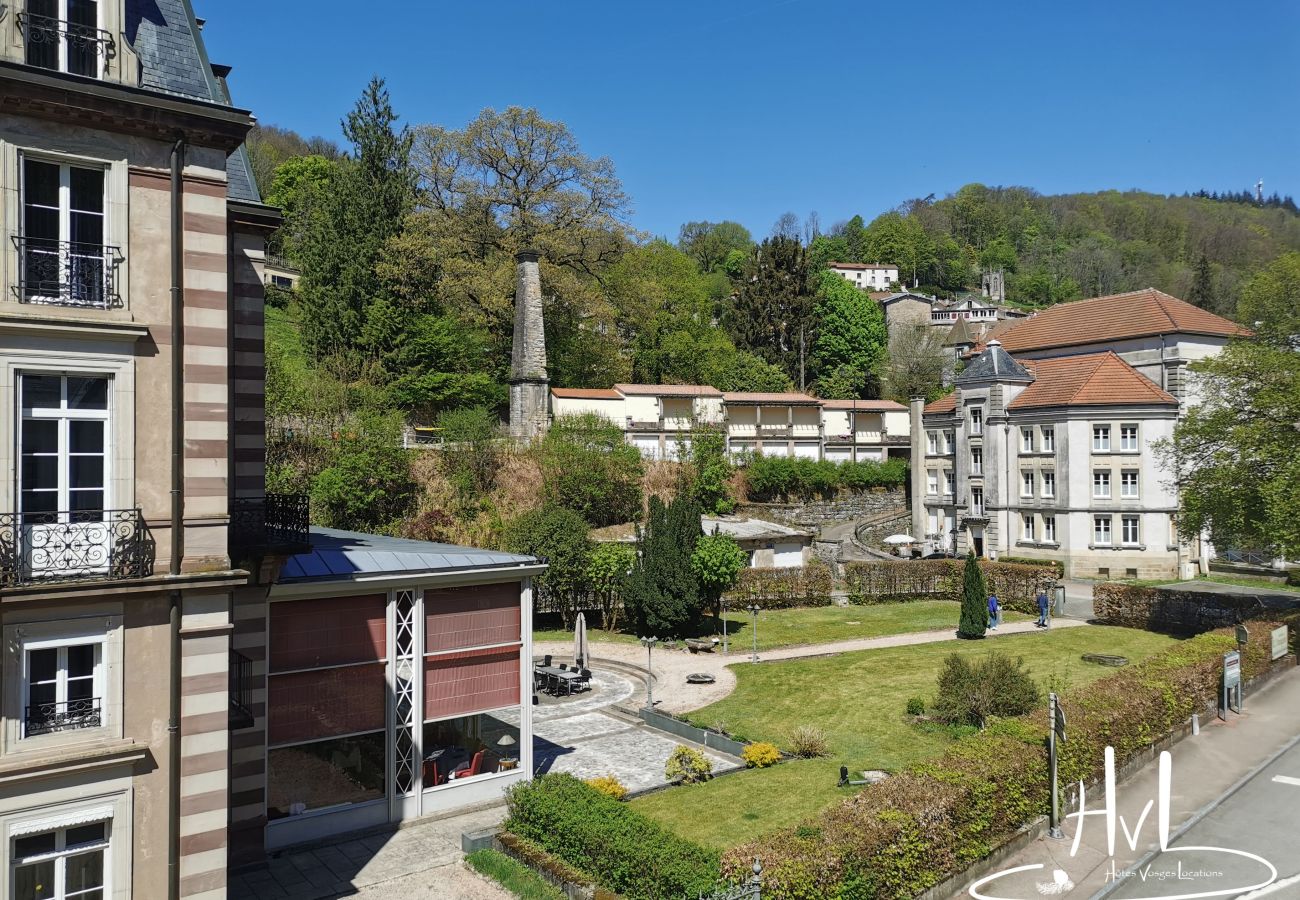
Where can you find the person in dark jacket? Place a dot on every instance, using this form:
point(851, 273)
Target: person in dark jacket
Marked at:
point(1042, 608)
point(995, 612)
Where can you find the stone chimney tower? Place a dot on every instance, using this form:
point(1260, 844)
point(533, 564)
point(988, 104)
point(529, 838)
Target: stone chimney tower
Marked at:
point(529, 386)
point(917, 410)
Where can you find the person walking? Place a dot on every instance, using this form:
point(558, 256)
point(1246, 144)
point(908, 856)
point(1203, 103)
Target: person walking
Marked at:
point(1042, 608)
point(995, 612)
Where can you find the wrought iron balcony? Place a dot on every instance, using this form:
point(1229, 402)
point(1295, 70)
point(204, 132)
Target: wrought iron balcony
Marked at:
point(241, 690)
point(74, 546)
point(269, 524)
point(67, 273)
point(85, 45)
point(45, 718)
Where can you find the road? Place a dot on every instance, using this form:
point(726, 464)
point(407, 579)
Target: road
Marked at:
point(1261, 817)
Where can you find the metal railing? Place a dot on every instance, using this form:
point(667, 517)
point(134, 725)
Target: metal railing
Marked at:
point(85, 43)
point(67, 273)
point(241, 690)
point(268, 523)
point(73, 546)
point(45, 718)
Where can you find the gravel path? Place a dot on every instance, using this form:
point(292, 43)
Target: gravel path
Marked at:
point(670, 667)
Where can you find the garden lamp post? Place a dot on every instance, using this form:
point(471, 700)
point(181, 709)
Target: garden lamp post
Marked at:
point(649, 644)
point(722, 604)
point(753, 612)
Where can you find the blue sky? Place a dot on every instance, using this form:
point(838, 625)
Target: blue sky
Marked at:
point(726, 109)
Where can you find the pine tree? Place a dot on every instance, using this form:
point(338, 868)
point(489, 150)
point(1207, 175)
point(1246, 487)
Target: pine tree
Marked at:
point(974, 601)
point(1202, 292)
point(663, 595)
point(773, 312)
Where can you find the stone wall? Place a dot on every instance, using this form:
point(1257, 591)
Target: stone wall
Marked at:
point(1159, 609)
point(812, 513)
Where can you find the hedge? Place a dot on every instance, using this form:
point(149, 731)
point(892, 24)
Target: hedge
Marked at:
point(797, 586)
point(623, 850)
point(1177, 611)
point(770, 478)
point(897, 838)
point(940, 579)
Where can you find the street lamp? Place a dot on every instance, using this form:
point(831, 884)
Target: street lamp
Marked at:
point(722, 601)
point(753, 612)
point(649, 644)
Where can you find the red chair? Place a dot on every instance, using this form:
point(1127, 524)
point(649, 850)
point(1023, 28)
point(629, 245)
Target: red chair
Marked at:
point(474, 765)
point(432, 777)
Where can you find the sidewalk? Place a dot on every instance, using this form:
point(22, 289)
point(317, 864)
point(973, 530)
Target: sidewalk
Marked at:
point(1205, 766)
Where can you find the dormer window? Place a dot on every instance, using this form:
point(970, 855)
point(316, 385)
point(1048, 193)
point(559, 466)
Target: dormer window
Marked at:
point(66, 36)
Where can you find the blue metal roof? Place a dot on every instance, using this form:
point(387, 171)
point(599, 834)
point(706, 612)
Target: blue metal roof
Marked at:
point(340, 555)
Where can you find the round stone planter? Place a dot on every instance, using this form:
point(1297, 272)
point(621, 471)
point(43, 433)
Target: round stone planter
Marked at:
point(700, 678)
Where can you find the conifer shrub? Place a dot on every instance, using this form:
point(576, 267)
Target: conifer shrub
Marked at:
point(974, 601)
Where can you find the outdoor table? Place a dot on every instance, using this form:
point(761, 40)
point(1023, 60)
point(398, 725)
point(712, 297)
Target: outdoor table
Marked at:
point(560, 674)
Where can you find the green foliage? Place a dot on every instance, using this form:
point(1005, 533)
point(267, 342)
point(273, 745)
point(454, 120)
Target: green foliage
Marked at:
point(717, 562)
point(788, 588)
point(760, 755)
point(471, 455)
point(974, 601)
point(687, 765)
point(790, 478)
point(624, 850)
point(773, 312)
point(969, 693)
point(711, 244)
point(851, 339)
point(808, 742)
point(1016, 583)
point(608, 567)
point(710, 471)
point(367, 484)
point(514, 876)
point(609, 786)
point(589, 468)
point(916, 706)
point(745, 371)
point(560, 536)
point(662, 597)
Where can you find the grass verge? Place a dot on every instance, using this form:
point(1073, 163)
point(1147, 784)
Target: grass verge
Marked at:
point(513, 875)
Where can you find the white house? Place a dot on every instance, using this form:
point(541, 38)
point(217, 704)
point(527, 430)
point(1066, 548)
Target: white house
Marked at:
point(861, 430)
point(868, 276)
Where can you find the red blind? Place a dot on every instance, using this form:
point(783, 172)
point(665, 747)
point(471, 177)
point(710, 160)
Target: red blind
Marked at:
point(476, 616)
point(327, 632)
point(474, 681)
point(305, 706)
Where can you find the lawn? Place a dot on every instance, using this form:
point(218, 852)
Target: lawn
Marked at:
point(819, 625)
point(859, 700)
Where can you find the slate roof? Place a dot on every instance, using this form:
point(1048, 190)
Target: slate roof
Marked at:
point(1103, 320)
point(865, 405)
point(994, 364)
point(1098, 379)
point(166, 36)
point(343, 555)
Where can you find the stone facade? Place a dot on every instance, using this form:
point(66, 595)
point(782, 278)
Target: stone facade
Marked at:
point(817, 512)
point(529, 386)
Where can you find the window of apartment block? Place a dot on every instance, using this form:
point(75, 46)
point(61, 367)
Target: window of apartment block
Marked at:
point(1026, 440)
point(1129, 530)
point(976, 461)
point(1027, 484)
point(1101, 530)
point(63, 35)
point(283, 282)
point(932, 522)
point(1128, 483)
point(63, 447)
point(976, 420)
point(947, 482)
point(63, 259)
point(932, 481)
point(977, 502)
point(1049, 439)
point(1101, 483)
point(63, 686)
point(932, 442)
point(1128, 437)
point(1049, 529)
point(1049, 483)
point(1028, 530)
point(949, 442)
point(60, 863)
point(1100, 438)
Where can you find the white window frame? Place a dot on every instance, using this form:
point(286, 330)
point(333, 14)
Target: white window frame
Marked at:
point(932, 482)
point(61, 854)
point(1048, 477)
point(65, 417)
point(1048, 437)
point(977, 501)
point(1127, 478)
point(976, 461)
point(976, 420)
point(1101, 484)
point(1027, 527)
point(1101, 439)
point(949, 483)
point(99, 677)
point(1102, 531)
point(1124, 523)
point(1026, 439)
point(933, 442)
point(1027, 482)
point(1049, 529)
point(1124, 431)
point(101, 61)
point(65, 166)
point(949, 443)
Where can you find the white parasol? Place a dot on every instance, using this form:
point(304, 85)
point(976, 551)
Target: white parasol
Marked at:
point(900, 539)
point(580, 648)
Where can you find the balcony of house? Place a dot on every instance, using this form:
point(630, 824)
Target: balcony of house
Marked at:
point(643, 425)
point(79, 274)
point(270, 524)
point(241, 691)
point(678, 423)
point(75, 44)
point(776, 430)
point(74, 545)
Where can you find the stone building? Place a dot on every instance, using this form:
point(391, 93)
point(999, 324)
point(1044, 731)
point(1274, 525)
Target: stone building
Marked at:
point(528, 381)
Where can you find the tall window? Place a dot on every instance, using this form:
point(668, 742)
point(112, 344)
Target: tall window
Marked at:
point(62, 253)
point(947, 482)
point(949, 442)
point(1128, 483)
point(1026, 440)
point(1049, 484)
point(1049, 439)
point(1027, 484)
point(1028, 527)
point(976, 461)
point(1100, 438)
point(64, 686)
point(977, 502)
point(976, 420)
point(1101, 530)
point(932, 481)
point(1129, 530)
point(1128, 437)
point(62, 864)
point(63, 448)
point(932, 439)
point(63, 35)
point(1049, 529)
point(1101, 483)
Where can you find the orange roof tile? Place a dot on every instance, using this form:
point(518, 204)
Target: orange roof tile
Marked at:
point(668, 390)
point(792, 398)
point(942, 405)
point(1117, 317)
point(1097, 379)
point(865, 405)
point(586, 394)
point(840, 265)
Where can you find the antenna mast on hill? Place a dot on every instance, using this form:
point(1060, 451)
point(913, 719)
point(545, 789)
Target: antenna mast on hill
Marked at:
point(1259, 191)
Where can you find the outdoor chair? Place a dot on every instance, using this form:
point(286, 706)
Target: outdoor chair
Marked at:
point(584, 680)
point(546, 660)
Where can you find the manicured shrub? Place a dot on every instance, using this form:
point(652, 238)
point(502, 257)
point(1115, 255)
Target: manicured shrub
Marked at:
point(609, 786)
point(798, 586)
point(1016, 585)
point(687, 765)
point(760, 755)
point(997, 685)
point(974, 602)
point(808, 742)
point(916, 706)
point(621, 849)
point(785, 478)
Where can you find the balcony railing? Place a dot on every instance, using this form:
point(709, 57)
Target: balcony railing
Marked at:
point(275, 522)
point(241, 690)
point(85, 44)
point(67, 273)
point(44, 718)
point(73, 546)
